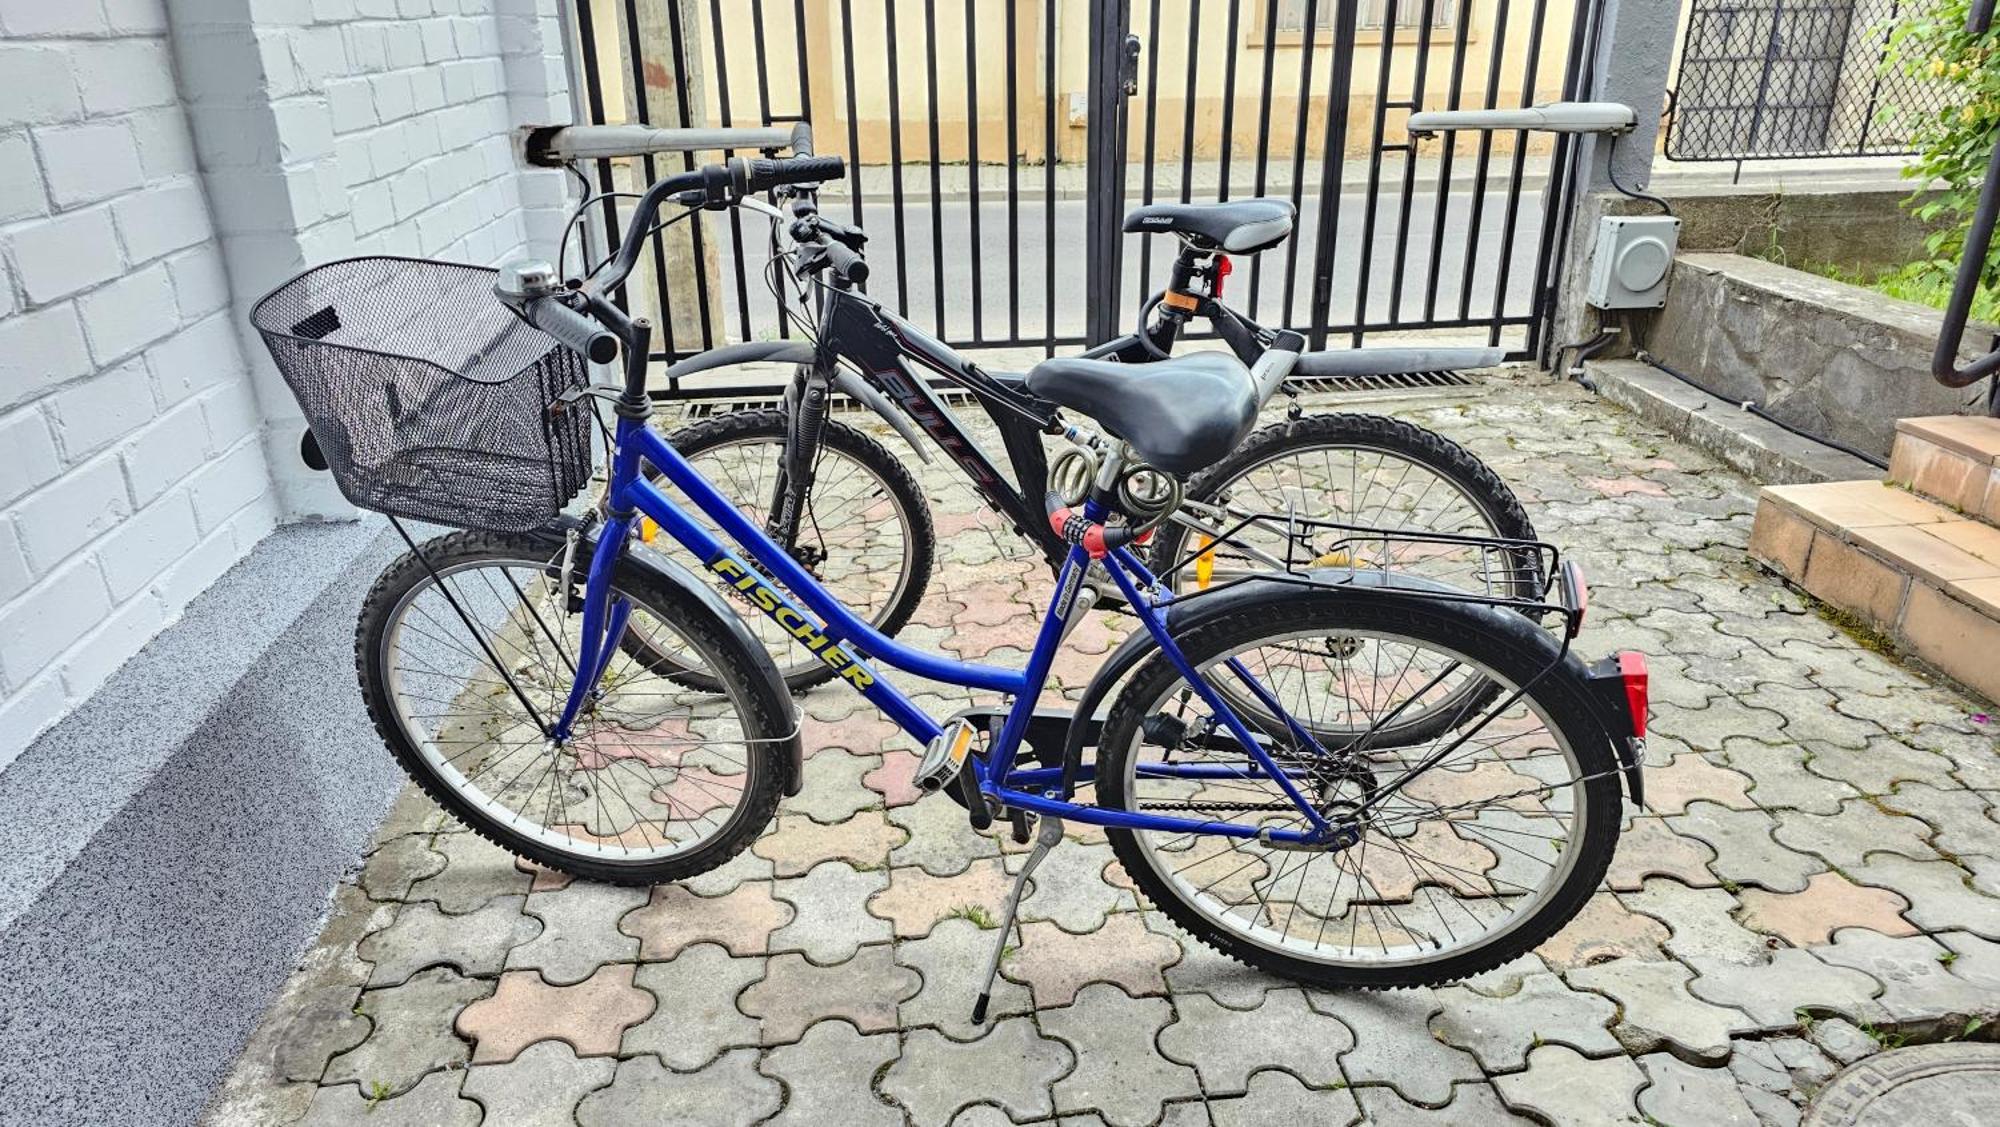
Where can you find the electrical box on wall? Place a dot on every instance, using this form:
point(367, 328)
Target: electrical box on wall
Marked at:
point(1630, 264)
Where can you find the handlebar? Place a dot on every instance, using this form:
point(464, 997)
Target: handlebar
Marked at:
point(763, 174)
point(581, 333)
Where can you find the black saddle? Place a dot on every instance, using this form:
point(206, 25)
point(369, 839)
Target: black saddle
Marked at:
point(1178, 415)
point(1239, 226)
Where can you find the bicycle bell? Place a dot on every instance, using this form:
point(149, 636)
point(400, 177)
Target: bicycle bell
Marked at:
point(529, 277)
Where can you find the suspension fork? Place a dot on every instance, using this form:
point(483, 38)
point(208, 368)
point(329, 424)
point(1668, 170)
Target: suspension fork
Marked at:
point(806, 404)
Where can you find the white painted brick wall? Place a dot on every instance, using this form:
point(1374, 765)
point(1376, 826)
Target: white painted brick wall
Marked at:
point(145, 442)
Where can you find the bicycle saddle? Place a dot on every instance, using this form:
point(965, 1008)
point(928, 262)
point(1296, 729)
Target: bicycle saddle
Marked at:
point(1178, 415)
point(1239, 226)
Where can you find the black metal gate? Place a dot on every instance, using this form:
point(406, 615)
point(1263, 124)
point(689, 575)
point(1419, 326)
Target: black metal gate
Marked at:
point(998, 151)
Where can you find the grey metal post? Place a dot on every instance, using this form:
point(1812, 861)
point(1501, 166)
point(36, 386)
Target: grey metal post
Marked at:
point(1104, 171)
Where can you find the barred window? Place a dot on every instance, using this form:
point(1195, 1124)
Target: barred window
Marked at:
point(1374, 15)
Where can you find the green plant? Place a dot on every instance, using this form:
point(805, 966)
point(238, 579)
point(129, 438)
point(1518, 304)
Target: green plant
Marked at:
point(1955, 143)
point(980, 917)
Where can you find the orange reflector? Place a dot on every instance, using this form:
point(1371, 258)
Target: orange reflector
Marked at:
point(1204, 564)
point(649, 530)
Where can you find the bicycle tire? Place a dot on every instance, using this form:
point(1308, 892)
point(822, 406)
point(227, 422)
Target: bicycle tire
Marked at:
point(769, 425)
point(1510, 646)
point(766, 714)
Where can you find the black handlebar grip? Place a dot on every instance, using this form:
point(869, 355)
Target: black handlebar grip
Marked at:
point(766, 174)
point(802, 139)
point(851, 265)
point(580, 333)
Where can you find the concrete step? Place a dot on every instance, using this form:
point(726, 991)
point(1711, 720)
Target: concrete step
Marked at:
point(1925, 576)
point(1952, 459)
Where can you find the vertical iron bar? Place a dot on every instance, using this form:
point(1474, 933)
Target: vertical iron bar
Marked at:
point(1333, 169)
point(1531, 70)
point(1013, 175)
point(1152, 139)
point(1228, 97)
point(896, 162)
point(1416, 104)
point(1104, 171)
point(1187, 107)
point(937, 189)
point(1475, 220)
point(1308, 33)
point(853, 116)
point(1264, 133)
point(805, 72)
point(1366, 267)
point(593, 85)
point(729, 119)
point(1049, 172)
point(651, 169)
point(1556, 192)
point(976, 252)
point(677, 35)
point(1455, 96)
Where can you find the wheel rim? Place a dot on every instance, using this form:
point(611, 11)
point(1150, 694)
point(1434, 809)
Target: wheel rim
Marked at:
point(1449, 872)
point(655, 770)
point(854, 519)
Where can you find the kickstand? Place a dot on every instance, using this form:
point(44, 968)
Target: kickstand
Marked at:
point(1052, 831)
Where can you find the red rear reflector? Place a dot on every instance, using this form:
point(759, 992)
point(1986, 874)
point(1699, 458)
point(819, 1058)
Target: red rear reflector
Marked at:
point(1632, 671)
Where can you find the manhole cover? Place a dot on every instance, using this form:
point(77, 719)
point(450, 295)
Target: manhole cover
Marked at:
point(1947, 1085)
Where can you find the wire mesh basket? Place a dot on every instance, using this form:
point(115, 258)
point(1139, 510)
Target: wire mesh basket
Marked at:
point(429, 398)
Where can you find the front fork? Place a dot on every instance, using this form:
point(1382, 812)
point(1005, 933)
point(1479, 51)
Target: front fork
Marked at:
point(806, 404)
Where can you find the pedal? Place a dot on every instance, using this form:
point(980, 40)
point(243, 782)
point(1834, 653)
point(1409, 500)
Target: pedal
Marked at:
point(944, 757)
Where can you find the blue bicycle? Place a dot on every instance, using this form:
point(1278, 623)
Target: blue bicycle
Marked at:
point(1255, 772)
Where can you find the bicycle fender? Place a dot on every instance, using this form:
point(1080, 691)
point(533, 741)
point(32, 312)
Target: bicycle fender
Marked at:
point(745, 352)
point(859, 390)
point(675, 574)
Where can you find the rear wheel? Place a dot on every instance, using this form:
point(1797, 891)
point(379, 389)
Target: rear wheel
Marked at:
point(660, 780)
point(1471, 862)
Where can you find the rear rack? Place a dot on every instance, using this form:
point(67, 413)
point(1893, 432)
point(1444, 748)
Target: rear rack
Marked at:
point(1527, 576)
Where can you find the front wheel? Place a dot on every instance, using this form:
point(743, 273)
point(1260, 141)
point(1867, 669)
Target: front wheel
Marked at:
point(1467, 863)
point(466, 657)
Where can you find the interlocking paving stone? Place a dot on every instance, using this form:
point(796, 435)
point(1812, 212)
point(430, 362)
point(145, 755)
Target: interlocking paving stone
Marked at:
point(1225, 1046)
point(475, 871)
point(895, 778)
point(591, 1015)
point(422, 936)
point(1705, 728)
point(795, 993)
point(1776, 1076)
point(729, 1093)
point(828, 1077)
point(579, 932)
point(1782, 782)
point(412, 1031)
point(915, 900)
point(1605, 929)
point(1916, 985)
point(1069, 888)
point(399, 863)
point(1119, 1072)
point(863, 731)
point(1055, 964)
point(1648, 848)
point(545, 879)
point(1846, 838)
point(1563, 1086)
point(951, 960)
point(1655, 1008)
point(1690, 777)
point(1937, 891)
point(832, 790)
point(1470, 1104)
point(1744, 849)
point(539, 1088)
point(1701, 920)
point(1842, 1040)
point(1959, 822)
point(831, 919)
point(1793, 980)
point(696, 1014)
point(1829, 903)
point(1011, 1067)
point(1812, 719)
point(433, 1102)
point(1393, 1043)
point(741, 920)
point(1885, 763)
point(1279, 1097)
point(941, 841)
point(1500, 1031)
point(1683, 1095)
point(797, 843)
point(730, 875)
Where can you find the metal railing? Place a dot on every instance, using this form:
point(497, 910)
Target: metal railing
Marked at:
point(1763, 79)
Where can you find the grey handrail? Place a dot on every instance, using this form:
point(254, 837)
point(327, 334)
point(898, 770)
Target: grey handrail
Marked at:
point(556, 145)
point(1550, 117)
point(1972, 261)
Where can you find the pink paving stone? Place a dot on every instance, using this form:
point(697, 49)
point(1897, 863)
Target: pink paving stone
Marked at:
point(866, 733)
point(1830, 902)
point(1626, 486)
point(1649, 849)
point(1691, 778)
point(1603, 931)
point(590, 1016)
point(696, 791)
point(1056, 965)
point(972, 640)
point(991, 603)
point(741, 921)
point(1433, 855)
point(799, 843)
point(546, 879)
point(915, 900)
point(895, 779)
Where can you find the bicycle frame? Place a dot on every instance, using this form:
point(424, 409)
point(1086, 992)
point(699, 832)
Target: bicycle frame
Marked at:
point(835, 632)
